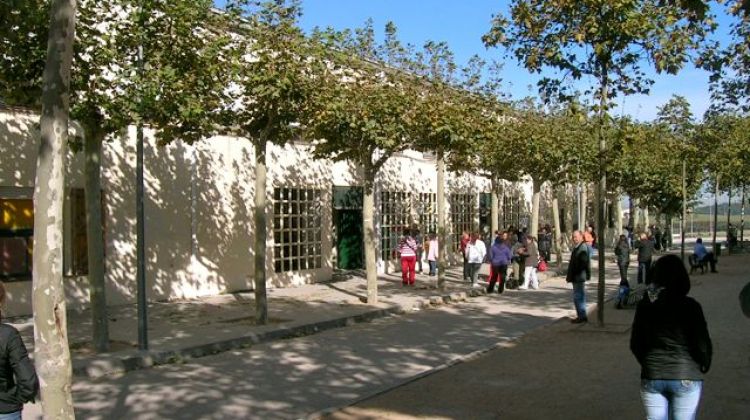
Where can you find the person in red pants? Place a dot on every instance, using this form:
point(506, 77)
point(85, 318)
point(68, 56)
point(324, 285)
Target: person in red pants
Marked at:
point(407, 247)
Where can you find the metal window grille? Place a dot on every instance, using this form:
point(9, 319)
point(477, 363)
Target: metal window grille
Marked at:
point(395, 208)
point(297, 229)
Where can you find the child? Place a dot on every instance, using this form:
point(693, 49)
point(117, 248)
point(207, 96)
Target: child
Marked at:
point(432, 253)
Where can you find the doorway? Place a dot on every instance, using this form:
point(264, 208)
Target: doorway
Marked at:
point(347, 221)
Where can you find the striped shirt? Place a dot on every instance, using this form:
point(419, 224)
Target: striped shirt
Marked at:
point(408, 247)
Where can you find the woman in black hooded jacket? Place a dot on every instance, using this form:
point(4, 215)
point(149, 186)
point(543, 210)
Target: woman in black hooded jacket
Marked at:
point(18, 381)
point(671, 342)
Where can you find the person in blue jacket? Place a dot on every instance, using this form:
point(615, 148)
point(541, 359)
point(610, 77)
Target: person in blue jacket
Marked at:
point(500, 256)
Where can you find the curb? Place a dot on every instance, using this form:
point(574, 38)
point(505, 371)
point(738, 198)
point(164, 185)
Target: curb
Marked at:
point(112, 365)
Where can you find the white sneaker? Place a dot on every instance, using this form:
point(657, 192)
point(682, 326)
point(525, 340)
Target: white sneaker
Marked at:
point(522, 287)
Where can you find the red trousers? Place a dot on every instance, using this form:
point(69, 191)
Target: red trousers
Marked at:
point(407, 269)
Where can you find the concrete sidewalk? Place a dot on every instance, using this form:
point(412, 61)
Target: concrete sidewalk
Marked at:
point(582, 372)
point(179, 330)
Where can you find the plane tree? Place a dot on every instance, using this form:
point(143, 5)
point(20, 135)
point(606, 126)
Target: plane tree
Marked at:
point(52, 359)
point(607, 41)
point(362, 112)
point(177, 92)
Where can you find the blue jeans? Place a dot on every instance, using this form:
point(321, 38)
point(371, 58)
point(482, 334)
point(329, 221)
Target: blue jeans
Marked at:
point(670, 399)
point(433, 267)
point(11, 416)
point(579, 299)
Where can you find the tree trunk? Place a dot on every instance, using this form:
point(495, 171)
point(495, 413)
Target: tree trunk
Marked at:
point(684, 212)
point(583, 198)
point(494, 206)
point(442, 239)
point(52, 355)
point(618, 216)
point(631, 213)
point(368, 227)
point(716, 213)
point(646, 218)
point(729, 217)
point(742, 218)
point(261, 297)
point(567, 203)
point(95, 238)
point(556, 227)
point(536, 188)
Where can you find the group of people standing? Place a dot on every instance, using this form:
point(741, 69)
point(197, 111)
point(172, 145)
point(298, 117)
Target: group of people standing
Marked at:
point(512, 253)
point(514, 249)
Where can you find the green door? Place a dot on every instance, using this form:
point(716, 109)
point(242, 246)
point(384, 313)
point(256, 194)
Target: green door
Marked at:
point(349, 239)
point(347, 222)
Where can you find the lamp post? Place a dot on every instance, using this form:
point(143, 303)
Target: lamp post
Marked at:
point(139, 194)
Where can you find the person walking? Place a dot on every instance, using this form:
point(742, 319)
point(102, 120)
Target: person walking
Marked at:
point(432, 253)
point(530, 278)
point(18, 379)
point(420, 247)
point(475, 253)
point(645, 247)
point(518, 263)
point(622, 251)
point(545, 243)
point(588, 239)
point(465, 238)
point(671, 342)
point(500, 256)
point(579, 271)
point(407, 247)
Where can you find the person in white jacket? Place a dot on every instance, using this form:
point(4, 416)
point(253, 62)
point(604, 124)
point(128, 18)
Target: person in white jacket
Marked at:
point(476, 250)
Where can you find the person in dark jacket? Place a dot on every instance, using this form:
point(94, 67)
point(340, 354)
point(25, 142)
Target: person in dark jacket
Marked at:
point(18, 381)
point(670, 340)
point(579, 271)
point(500, 256)
point(645, 247)
point(622, 250)
point(545, 243)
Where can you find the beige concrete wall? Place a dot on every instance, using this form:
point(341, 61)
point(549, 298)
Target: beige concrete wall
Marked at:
point(199, 208)
point(19, 144)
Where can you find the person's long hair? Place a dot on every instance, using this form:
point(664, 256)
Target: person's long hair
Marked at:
point(670, 273)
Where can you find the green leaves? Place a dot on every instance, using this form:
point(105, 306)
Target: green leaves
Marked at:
point(274, 71)
point(600, 39)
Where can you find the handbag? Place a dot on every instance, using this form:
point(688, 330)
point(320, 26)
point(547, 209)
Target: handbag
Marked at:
point(542, 265)
point(484, 270)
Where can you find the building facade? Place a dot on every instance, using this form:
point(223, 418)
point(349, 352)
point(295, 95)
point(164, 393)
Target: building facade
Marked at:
point(199, 231)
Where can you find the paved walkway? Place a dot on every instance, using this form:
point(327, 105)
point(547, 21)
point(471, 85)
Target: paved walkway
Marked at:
point(181, 330)
point(579, 372)
point(193, 328)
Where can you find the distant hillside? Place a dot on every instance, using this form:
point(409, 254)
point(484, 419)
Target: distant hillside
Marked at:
point(736, 209)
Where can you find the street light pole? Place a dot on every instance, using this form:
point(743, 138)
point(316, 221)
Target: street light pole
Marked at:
point(139, 194)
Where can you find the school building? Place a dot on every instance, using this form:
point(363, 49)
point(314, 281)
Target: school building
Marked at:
point(199, 232)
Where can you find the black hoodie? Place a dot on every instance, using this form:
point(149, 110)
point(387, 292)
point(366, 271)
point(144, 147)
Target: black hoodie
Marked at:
point(18, 380)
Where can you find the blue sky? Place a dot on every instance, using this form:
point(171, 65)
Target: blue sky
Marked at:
point(462, 23)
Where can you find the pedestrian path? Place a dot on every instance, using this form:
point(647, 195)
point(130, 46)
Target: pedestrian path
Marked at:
point(582, 372)
point(370, 357)
point(184, 329)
